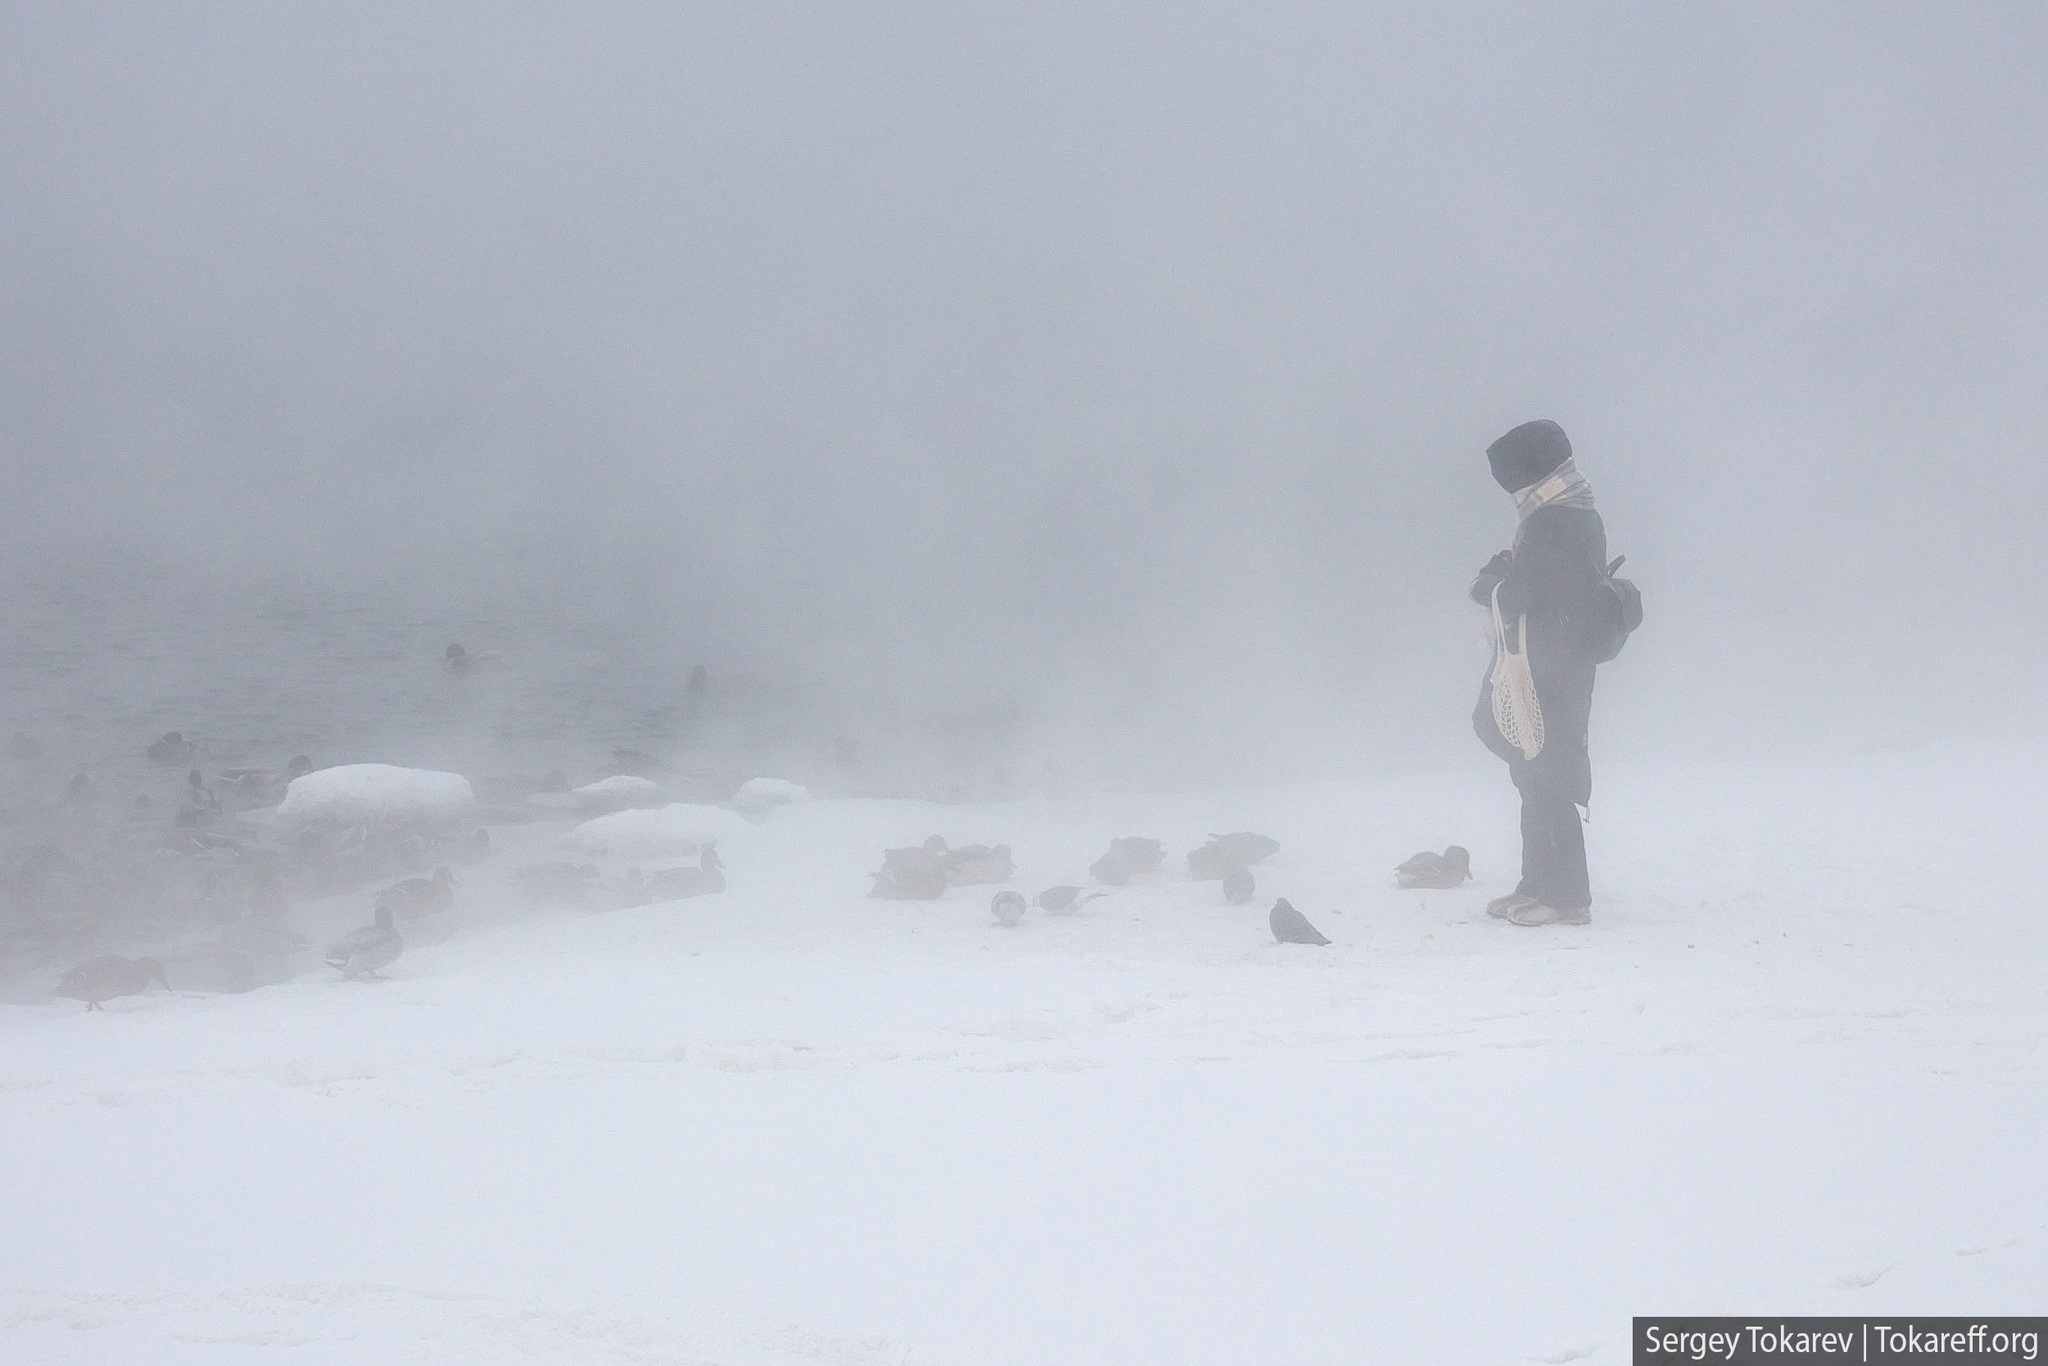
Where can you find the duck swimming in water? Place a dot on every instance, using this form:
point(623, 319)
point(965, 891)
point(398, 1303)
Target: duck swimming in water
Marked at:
point(461, 660)
point(110, 975)
point(1451, 868)
point(359, 953)
point(257, 781)
point(173, 748)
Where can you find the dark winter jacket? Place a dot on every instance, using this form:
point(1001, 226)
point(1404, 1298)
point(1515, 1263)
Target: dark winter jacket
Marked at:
point(1552, 573)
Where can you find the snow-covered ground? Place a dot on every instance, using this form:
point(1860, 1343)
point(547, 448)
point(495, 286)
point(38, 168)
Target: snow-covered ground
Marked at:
point(1795, 1065)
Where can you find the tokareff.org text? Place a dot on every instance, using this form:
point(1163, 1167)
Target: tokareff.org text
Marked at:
point(1884, 1340)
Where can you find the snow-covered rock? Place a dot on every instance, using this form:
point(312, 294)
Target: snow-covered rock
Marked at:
point(679, 829)
point(621, 793)
point(621, 785)
point(758, 796)
point(355, 794)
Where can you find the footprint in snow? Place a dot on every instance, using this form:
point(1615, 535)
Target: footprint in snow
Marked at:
point(1564, 1354)
point(1859, 1279)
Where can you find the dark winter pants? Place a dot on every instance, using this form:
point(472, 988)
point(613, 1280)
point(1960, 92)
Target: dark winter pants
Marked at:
point(1553, 841)
point(1553, 785)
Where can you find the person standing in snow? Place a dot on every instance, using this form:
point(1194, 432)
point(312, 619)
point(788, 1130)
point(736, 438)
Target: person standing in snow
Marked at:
point(1554, 577)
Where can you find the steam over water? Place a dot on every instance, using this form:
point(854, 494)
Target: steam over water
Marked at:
point(98, 668)
point(254, 676)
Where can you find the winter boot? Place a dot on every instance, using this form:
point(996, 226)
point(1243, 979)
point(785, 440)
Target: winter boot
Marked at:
point(1501, 907)
point(1534, 912)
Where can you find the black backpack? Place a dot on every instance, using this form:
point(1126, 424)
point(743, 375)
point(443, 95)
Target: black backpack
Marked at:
point(1621, 612)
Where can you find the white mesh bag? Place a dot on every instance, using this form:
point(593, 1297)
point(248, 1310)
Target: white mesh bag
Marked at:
point(1515, 708)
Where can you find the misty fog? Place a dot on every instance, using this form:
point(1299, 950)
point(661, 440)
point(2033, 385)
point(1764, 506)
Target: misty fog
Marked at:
point(1127, 368)
point(783, 683)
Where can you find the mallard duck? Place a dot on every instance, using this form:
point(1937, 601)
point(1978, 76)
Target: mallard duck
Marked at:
point(1451, 868)
point(1065, 900)
point(1207, 864)
point(359, 953)
point(1238, 886)
point(916, 874)
point(1008, 907)
point(417, 897)
point(461, 661)
point(1225, 852)
point(1112, 868)
point(676, 884)
point(104, 978)
point(470, 848)
point(1126, 858)
point(1291, 926)
point(209, 967)
point(978, 865)
point(173, 748)
point(1143, 855)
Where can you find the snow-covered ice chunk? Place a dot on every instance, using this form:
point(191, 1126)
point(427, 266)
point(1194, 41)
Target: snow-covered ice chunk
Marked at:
point(354, 794)
point(620, 785)
point(621, 793)
point(679, 829)
point(758, 795)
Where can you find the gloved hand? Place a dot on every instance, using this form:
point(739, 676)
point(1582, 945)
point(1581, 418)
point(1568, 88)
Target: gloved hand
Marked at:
point(1496, 569)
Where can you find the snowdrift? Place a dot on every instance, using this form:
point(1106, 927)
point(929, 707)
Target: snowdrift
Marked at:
point(678, 829)
point(357, 794)
point(758, 796)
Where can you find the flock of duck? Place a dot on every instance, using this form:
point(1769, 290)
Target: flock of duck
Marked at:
point(219, 889)
point(924, 872)
point(154, 874)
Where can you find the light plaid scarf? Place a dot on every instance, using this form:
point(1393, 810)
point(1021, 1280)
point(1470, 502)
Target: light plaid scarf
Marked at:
point(1563, 487)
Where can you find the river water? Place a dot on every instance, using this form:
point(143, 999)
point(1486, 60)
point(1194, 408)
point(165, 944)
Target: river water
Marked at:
point(93, 670)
